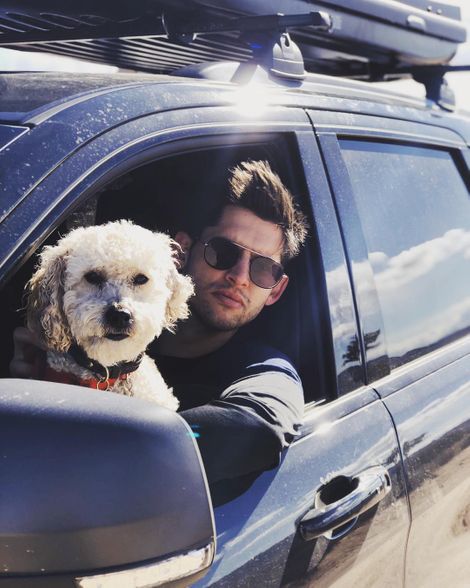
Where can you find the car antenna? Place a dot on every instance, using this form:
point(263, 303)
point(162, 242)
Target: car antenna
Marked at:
point(266, 35)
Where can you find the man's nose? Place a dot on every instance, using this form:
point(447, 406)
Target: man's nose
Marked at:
point(239, 274)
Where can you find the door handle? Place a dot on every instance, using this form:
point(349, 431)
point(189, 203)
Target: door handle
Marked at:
point(366, 490)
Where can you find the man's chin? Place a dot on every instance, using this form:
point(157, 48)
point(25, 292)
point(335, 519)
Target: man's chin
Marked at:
point(219, 321)
point(226, 327)
point(223, 324)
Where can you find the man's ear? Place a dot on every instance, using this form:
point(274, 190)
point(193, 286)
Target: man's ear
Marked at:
point(185, 242)
point(277, 291)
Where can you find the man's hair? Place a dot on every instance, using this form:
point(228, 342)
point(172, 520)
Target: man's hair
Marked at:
point(255, 186)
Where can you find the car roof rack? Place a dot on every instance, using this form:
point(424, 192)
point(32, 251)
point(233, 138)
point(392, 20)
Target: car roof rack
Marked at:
point(432, 77)
point(266, 35)
point(365, 39)
point(274, 50)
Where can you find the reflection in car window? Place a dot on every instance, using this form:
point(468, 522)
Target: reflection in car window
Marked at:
point(415, 214)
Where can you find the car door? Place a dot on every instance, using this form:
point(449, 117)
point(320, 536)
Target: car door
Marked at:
point(403, 200)
point(335, 510)
point(274, 532)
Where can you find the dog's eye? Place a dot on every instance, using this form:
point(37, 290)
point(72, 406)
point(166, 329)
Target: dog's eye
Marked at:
point(94, 278)
point(139, 279)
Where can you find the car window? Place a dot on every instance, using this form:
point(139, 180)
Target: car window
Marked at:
point(158, 196)
point(414, 208)
point(187, 199)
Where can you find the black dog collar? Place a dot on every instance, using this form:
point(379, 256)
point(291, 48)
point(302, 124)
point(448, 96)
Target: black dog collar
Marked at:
point(103, 372)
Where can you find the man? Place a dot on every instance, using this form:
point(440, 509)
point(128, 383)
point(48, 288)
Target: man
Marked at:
point(243, 399)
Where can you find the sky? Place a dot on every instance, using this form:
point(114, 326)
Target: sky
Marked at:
point(459, 82)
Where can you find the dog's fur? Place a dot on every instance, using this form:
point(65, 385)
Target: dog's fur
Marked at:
point(64, 308)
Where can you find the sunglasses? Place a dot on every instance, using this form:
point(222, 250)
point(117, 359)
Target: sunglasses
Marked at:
point(223, 254)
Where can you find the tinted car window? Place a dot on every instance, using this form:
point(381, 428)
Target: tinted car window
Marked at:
point(415, 214)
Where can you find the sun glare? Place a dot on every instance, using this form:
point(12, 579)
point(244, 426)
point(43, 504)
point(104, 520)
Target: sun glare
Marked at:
point(252, 99)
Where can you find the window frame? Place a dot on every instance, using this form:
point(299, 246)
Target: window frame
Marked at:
point(172, 141)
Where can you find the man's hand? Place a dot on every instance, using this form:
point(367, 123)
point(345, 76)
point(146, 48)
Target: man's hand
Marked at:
point(27, 352)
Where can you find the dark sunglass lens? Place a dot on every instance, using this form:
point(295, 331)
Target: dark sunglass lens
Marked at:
point(265, 272)
point(221, 253)
point(277, 272)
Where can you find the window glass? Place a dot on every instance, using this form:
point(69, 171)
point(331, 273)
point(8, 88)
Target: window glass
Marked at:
point(415, 214)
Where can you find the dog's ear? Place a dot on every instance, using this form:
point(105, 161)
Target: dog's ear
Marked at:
point(45, 293)
point(181, 288)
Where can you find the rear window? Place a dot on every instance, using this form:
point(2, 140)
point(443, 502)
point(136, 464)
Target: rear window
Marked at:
point(415, 214)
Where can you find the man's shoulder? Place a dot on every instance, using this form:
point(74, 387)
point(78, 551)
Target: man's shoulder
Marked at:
point(255, 355)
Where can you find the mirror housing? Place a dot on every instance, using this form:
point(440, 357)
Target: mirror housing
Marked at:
point(97, 484)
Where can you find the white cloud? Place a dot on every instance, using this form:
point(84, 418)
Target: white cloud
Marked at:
point(411, 264)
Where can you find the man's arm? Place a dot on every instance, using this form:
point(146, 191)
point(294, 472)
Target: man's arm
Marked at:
point(242, 432)
point(232, 443)
point(245, 430)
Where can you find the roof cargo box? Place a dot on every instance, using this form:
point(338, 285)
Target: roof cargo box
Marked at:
point(388, 33)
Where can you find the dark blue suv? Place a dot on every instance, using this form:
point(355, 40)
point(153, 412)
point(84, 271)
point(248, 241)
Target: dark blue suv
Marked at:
point(375, 489)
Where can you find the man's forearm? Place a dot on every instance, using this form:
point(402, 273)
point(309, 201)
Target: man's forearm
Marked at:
point(233, 442)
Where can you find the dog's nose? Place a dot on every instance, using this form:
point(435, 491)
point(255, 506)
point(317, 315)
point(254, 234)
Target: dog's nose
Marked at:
point(118, 318)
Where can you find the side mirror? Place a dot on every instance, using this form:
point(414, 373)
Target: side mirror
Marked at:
point(98, 489)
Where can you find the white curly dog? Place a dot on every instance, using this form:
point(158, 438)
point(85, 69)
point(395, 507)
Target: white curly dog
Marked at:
point(98, 298)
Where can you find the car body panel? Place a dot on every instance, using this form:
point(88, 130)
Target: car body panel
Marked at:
point(257, 533)
point(9, 133)
point(433, 424)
